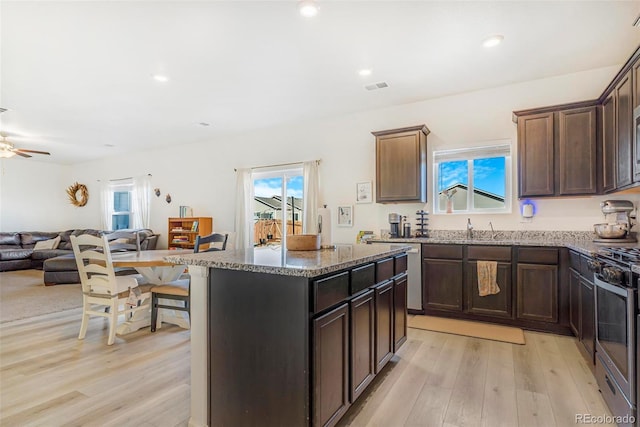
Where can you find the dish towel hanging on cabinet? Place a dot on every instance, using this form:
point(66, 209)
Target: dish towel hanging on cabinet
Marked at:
point(487, 271)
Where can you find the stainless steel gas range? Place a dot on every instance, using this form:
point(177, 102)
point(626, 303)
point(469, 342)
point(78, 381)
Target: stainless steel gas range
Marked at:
point(616, 273)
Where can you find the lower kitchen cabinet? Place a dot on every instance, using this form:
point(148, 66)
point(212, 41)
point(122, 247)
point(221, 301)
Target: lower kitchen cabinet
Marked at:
point(384, 324)
point(443, 284)
point(574, 302)
point(330, 366)
point(588, 318)
point(399, 311)
point(362, 311)
point(496, 305)
point(537, 292)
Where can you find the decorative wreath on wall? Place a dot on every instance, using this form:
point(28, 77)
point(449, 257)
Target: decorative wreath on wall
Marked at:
point(78, 194)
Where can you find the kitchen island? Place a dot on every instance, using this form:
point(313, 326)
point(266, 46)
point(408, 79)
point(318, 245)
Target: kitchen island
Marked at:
point(291, 338)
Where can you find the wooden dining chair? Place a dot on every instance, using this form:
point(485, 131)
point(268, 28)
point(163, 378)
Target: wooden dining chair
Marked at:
point(211, 238)
point(123, 241)
point(179, 289)
point(103, 293)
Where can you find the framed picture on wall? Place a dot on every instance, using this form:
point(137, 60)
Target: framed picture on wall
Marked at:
point(364, 192)
point(345, 216)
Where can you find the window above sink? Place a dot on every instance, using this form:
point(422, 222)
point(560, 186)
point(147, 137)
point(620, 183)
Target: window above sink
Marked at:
point(473, 180)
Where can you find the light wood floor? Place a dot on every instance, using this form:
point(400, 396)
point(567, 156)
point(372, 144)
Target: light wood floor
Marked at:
point(50, 378)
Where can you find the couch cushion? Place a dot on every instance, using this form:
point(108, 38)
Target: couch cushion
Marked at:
point(65, 240)
point(43, 245)
point(61, 263)
point(14, 254)
point(28, 239)
point(48, 253)
point(9, 240)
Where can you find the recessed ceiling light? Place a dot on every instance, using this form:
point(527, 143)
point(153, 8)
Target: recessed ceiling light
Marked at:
point(308, 8)
point(205, 124)
point(493, 41)
point(109, 145)
point(160, 78)
point(365, 72)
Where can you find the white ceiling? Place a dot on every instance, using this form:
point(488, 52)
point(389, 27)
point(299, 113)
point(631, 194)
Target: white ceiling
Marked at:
point(78, 75)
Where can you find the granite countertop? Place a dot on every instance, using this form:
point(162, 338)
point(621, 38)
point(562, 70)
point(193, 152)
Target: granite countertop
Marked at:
point(580, 241)
point(277, 260)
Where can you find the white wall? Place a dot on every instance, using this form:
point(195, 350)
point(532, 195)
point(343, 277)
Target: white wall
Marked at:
point(33, 196)
point(202, 175)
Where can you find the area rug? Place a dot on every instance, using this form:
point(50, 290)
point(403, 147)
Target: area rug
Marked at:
point(467, 328)
point(23, 294)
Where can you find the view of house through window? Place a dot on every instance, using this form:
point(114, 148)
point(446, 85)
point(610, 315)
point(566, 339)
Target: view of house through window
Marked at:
point(473, 180)
point(121, 215)
point(278, 208)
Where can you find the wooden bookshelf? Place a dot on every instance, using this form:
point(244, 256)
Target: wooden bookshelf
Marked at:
point(182, 234)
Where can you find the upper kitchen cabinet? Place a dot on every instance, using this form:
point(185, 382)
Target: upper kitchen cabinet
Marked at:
point(401, 165)
point(635, 71)
point(608, 143)
point(557, 149)
point(627, 164)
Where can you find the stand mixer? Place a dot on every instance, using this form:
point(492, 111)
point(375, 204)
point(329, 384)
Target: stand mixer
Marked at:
point(617, 228)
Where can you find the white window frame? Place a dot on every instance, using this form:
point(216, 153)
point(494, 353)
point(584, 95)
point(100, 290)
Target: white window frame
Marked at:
point(121, 187)
point(500, 148)
point(279, 172)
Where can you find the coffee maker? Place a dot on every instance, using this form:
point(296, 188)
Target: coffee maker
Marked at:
point(395, 228)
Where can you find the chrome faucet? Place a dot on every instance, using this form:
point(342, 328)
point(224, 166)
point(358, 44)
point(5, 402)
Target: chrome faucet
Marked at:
point(493, 235)
point(469, 229)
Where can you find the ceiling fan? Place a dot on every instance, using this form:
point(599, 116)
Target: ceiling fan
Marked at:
point(7, 149)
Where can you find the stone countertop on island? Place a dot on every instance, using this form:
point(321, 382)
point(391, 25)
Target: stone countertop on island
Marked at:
point(277, 260)
point(579, 241)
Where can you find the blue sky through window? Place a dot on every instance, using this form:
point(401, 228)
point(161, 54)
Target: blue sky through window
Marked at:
point(488, 174)
point(268, 187)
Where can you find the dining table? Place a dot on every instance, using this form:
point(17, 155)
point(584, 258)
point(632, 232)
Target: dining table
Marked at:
point(152, 266)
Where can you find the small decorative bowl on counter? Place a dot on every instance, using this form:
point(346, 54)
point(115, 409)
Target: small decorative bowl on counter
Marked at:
point(303, 242)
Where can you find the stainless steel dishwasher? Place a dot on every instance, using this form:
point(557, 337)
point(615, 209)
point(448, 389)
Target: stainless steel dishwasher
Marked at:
point(414, 271)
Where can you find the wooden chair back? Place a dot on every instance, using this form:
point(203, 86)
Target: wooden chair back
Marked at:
point(211, 238)
point(95, 265)
point(123, 241)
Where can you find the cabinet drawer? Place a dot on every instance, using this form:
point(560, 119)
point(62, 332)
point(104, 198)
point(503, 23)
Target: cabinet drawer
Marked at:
point(330, 290)
point(442, 251)
point(384, 270)
point(489, 253)
point(362, 278)
point(400, 264)
point(574, 259)
point(538, 255)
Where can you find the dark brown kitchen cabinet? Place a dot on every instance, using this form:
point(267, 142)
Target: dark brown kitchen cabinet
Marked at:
point(496, 305)
point(537, 292)
point(567, 134)
point(635, 72)
point(608, 144)
point(384, 324)
point(536, 155)
point(577, 146)
point(330, 366)
point(362, 315)
point(587, 318)
point(624, 128)
point(399, 311)
point(442, 282)
point(574, 302)
point(401, 165)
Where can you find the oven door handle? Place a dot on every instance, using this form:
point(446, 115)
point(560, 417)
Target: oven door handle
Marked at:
point(611, 288)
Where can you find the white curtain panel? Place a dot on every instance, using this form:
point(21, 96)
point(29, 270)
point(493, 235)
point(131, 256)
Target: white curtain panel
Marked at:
point(244, 210)
point(141, 201)
point(106, 203)
point(310, 197)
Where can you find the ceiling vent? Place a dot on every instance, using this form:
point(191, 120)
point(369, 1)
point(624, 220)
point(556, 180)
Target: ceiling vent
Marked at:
point(2, 110)
point(375, 86)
